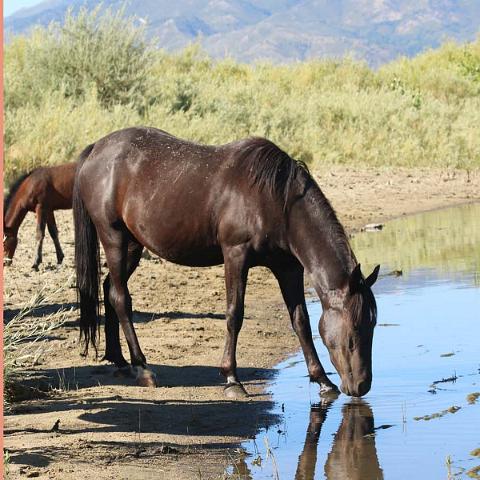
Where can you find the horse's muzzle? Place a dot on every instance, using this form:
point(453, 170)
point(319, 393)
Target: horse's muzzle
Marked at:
point(357, 389)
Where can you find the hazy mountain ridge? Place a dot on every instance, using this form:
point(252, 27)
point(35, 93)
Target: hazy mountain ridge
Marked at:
point(287, 30)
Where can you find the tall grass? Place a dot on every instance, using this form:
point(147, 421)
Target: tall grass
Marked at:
point(25, 340)
point(66, 86)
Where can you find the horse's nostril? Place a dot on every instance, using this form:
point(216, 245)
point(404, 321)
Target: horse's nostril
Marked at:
point(363, 388)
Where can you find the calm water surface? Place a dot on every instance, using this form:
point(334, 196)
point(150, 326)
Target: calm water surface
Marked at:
point(428, 330)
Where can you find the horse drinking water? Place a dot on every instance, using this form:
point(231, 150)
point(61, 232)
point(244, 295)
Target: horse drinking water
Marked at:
point(243, 204)
point(42, 191)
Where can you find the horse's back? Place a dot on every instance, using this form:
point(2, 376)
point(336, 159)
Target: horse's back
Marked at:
point(164, 189)
point(52, 187)
point(150, 162)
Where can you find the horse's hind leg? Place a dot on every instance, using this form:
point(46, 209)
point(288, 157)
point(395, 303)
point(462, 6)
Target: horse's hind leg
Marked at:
point(41, 222)
point(291, 285)
point(116, 246)
point(236, 272)
point(52, 229)
point(113, 350)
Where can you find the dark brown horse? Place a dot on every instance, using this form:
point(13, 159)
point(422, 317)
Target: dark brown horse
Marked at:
point(243, 204)
point(42, 191)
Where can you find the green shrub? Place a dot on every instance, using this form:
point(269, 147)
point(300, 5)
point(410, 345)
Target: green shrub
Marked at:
point(107, 51)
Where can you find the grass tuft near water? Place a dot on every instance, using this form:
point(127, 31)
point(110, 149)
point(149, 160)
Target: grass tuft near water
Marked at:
point(473, 397)
point(452, 409)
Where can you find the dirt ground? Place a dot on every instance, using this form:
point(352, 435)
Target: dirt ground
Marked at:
point(110, 428)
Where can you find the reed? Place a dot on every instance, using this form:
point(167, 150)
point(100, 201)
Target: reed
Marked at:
point(25, 341)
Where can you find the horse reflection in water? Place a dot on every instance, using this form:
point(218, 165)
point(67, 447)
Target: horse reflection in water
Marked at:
point(353, 455)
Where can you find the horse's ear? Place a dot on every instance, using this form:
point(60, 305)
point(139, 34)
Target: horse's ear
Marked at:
point(372, 278)
point(355, 279)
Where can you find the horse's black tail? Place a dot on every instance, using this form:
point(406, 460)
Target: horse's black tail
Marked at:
point(87, 264)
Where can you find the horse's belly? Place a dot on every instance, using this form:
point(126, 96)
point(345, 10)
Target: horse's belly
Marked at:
point(174, 229)
point(190, 247)
point(191, 257)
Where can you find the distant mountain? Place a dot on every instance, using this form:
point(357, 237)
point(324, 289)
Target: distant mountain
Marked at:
point(286, 30)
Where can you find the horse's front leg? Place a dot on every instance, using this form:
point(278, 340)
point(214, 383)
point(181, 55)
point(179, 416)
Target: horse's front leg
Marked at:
point(307, 461)
point(236, 272)
point(41, 223)
point(291, 285)
point(52, 229)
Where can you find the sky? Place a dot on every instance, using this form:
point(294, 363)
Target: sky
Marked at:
point(11, 6)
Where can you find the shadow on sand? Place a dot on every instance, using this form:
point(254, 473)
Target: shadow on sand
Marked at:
point(138, 317)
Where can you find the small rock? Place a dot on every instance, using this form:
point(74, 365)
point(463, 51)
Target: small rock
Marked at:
point(167, 449)
point(395, 273)
point(146, 254)
point(56, 426)
point(373, 227)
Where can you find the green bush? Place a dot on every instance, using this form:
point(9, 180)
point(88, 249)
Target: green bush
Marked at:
point(67, 86)
point(107, 51)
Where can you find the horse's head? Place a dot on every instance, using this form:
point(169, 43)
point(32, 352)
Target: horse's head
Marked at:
point(346, 327)
point(10, 242)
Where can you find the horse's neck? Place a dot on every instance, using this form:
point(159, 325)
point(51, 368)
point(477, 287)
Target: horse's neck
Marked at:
point(13, 216)
point(320, 243)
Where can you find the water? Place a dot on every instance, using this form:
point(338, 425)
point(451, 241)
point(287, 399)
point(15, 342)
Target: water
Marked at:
point(428, 330)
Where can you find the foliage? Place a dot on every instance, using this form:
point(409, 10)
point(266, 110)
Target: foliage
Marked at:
point(106, 51)
point(67, 86)
point(25, 340)
point(6, 463)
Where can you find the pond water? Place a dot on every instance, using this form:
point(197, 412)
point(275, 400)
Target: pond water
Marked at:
point(428, 330)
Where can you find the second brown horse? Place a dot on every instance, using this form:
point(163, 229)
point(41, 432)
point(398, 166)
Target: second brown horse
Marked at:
point(243, 204)
point(41, 191)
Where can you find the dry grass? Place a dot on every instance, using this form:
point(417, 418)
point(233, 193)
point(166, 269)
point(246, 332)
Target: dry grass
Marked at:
point(25, 340)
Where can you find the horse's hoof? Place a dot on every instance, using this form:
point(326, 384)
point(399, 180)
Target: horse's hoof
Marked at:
point(146, 378)
point(235, 391)
point(326, 401)
point(7, 262)
point(124, 372)
point(35, 267)
point(329, 390)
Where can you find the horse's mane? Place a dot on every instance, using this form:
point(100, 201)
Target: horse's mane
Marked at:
point(360, 303)
point(269, 167)
point(12, 189)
